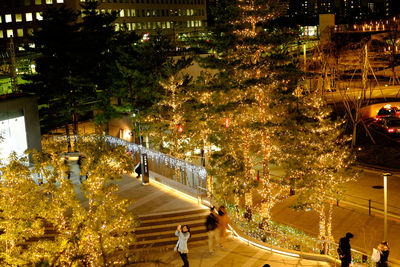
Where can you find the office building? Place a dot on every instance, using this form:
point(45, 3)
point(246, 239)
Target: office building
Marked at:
point(18, 18)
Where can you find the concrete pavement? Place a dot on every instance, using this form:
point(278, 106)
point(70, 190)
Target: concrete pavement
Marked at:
point(153, 199)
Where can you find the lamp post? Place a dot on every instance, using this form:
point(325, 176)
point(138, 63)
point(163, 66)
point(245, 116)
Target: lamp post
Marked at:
point(136, 111)
point(385, 175)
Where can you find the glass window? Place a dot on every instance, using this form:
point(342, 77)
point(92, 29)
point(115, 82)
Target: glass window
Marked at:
point(49, 2)
point(8, 18)
point(129, 26)
point(0, 19)
point(39, 16)
point(38, 2)
point(128, 12)
point(60, 1)
point(28, 17)
point(20, 32)
point(121, 13)
point(29, 31)
point(168, 24)
point(18, 17)
point(116, 27)
point(1, 34)
point(27, 2)
point(10, 33)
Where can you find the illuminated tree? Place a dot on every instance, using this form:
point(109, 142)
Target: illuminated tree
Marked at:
point(93, 229)
point(250, 50)
point(316, 158)
point(167, 121)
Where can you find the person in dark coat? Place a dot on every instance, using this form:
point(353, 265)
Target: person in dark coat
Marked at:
point(138, 170)
point(211, 226)
point(383, 248)
point(344, 250)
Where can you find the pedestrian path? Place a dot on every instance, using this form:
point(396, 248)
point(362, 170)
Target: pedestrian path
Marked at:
point(155, 199)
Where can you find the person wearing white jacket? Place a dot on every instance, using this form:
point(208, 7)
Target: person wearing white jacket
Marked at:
point(183, 234)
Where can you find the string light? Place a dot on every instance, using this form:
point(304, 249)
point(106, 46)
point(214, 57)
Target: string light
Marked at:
point(153, 154)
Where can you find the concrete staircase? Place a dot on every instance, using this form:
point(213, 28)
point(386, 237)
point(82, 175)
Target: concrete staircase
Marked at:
point(158, 230)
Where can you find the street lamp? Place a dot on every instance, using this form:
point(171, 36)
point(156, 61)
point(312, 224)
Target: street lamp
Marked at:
point(385, 175)
point(136, 112)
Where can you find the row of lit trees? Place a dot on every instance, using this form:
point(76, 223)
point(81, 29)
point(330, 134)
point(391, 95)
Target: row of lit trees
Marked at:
point(255, 113)
point(95, 229)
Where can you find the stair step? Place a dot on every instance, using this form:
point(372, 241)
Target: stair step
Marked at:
point(168, 229)
point(168, 238)
point(173, 214)
point(175, 217)
point(182, 220)
point(165, 243)
point(170, 226)
point(158, 235)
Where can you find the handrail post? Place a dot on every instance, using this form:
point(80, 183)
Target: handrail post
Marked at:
point(369, 207)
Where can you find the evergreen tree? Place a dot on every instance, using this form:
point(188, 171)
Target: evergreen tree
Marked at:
point(95, 229)
point(316, 158)
point(251, 52)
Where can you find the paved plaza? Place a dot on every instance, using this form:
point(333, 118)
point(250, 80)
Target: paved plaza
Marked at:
point(156, 199)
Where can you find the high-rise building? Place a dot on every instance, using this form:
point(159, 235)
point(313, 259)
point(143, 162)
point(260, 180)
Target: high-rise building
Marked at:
point(18, 18)
point(391, 8)
point(352, 9)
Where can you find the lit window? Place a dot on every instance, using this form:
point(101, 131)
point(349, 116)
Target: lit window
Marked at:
point(133, 12)
point(29, 31)
point(10, 33)
point(168, 24)
point(128, 12)
point(129, 26)
point(116, 27)
point(0, 20)
point(121, 13)
point(8, 18)
point(18, 17)
point(1, 34)
point(28, 17)
point(20, 32)
point(49, 2)
point(38, 2)
point(60, 1)
point(39, 16)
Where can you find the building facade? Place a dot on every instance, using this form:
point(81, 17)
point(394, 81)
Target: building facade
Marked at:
point(18, 18)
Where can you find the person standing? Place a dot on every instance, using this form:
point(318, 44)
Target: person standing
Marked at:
point(344, 250)
point(211, 226)
point(183, 234)
point(383, 249)
point(223, 221)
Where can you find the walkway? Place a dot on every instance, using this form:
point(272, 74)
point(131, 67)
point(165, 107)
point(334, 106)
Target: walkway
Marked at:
point(152, 199)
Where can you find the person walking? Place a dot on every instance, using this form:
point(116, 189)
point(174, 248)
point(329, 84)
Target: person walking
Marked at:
point(383, 249)
point(223, 221)
point(211, 226)
point(344, 250)
point(183, 234)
